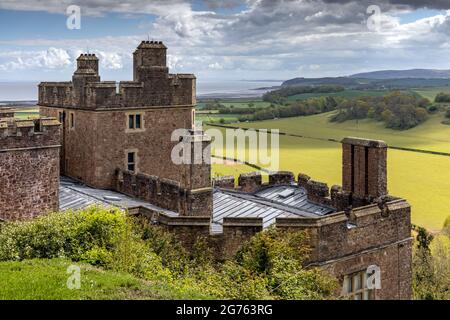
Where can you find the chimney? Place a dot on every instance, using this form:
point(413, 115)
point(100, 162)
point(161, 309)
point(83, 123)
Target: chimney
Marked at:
point(364, 172)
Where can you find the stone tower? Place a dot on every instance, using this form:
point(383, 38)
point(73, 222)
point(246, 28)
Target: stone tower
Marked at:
point(110, 127)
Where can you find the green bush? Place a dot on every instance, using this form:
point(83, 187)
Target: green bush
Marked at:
point(278, 256)
point(72, 234)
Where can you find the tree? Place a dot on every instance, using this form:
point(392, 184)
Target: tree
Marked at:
point(431, 265)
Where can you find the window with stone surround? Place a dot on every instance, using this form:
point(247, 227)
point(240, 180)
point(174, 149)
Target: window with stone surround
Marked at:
point(131, 161)
point(355, 286)
point(135, 121)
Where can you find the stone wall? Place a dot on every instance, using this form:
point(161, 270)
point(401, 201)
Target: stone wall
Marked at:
point(165, 193)
point(190, 229)
point(29, 168)
point(347, 242)
point(99, 141)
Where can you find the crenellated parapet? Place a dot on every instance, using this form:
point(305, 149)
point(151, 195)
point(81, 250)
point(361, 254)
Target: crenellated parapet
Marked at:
point(6, 114)
point(31, 133)
point(152, 85)
point(165, 193)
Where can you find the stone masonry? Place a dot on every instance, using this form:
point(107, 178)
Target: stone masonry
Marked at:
point(29, 167)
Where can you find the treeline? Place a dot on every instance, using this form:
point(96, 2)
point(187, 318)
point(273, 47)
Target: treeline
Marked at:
point(397, 110)
point(299, 108)
point(279, 96)
point(232, 110)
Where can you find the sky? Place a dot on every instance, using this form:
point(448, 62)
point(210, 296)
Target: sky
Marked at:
point(226, 40)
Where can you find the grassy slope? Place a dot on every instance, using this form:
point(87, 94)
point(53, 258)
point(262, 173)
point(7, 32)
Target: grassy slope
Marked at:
point(46, 279)
point(420, 178)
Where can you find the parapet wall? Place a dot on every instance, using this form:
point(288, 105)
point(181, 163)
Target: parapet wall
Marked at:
point(317, 191)
point(165, 193)
point(109, 94)
point(33, 133)
point(190, 229)
point(6, 113)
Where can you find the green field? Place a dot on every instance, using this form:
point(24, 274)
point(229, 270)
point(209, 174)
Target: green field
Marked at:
point(215, 117)
point(430, 93)
point(43, 279)
point(26, 113)
point(423, 179)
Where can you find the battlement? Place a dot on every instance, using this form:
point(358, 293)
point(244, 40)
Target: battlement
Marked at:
point(6, 113)
point(165, 193)
point(16, 133)
point(152, 45)
point(364, 177)
point(152, 84)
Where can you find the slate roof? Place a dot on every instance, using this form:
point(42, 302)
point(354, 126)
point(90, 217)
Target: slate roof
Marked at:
point(268, 203)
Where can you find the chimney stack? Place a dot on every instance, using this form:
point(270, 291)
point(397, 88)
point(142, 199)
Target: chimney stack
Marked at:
point(364, 172)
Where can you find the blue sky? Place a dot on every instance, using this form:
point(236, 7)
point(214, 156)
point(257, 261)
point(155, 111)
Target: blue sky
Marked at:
point(234, 39)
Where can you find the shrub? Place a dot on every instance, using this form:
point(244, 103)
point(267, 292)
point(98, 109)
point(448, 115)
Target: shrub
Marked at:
point(431, 269)
point(73, 234)
point(277, 256)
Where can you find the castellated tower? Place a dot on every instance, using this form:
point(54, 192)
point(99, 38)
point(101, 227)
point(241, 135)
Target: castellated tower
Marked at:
point(29, 170)
point(111, 127)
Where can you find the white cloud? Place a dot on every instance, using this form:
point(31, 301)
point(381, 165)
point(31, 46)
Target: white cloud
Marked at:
point(53, 58)
point(269, 37)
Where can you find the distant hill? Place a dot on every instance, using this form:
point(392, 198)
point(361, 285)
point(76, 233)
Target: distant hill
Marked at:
point(344, 81)
point(360, 83)
point(412, 73)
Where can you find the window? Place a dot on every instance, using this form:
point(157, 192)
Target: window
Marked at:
point(72, 121)
point(131, 161)
point(61, 117)
point(134, 121)
point(355, 286)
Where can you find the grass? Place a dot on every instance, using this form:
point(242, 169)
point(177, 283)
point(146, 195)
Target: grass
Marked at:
point(46, 279)
point(26, 113)
point(423, 179)
point(215, 118)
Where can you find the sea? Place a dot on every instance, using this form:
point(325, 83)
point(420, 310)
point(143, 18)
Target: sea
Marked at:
point(28, 91)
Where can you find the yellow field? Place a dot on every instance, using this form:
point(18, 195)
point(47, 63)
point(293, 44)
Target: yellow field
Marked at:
point(423, 179)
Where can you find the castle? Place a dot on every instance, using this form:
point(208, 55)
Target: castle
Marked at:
point(111, 143)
